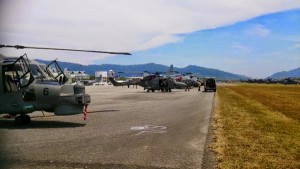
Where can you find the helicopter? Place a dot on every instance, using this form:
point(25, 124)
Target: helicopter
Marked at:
point(289, 80)
point(188, 78)
point(151, 82)
point(285, 81)
point(27, 86)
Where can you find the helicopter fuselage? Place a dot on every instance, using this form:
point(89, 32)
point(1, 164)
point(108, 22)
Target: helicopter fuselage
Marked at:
point(37, 94)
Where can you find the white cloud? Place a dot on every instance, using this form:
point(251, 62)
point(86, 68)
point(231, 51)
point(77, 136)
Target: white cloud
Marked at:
point(289, 38)
point(295, 46)
point(241, 47)
point(158, 41)
point(258, 30)
point(118, 25)
point(296, 58)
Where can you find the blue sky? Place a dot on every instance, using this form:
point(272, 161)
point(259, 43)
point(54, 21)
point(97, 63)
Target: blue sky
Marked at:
point(257, 47)
point(253, 38)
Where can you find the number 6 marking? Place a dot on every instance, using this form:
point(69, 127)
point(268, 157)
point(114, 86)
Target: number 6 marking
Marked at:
point(46, 91)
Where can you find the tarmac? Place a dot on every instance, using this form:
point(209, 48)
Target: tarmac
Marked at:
point(125, 128)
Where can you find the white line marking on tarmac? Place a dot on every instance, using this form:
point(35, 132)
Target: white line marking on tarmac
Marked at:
point(149, 129)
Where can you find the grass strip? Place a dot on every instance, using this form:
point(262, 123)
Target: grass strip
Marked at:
point(252, 132)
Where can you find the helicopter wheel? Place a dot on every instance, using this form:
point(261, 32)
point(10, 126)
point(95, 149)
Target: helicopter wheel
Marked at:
point(148, 90)
point(170, 90)
point(152, 90)
point(22, 119)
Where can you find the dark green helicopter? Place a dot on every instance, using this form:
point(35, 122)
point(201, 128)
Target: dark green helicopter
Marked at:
point(151, 82)
point(27, 86)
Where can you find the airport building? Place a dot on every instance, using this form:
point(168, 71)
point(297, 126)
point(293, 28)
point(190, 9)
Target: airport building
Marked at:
point(77, 75)
point(101, 76)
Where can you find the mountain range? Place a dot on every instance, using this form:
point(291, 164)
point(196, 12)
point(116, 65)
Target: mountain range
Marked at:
point(137, 70)
point(295, 73)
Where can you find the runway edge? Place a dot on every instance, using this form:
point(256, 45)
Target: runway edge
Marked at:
point(210, 157)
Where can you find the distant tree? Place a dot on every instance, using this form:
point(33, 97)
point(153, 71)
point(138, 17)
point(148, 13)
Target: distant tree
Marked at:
point(92, 77)
point(122, 78)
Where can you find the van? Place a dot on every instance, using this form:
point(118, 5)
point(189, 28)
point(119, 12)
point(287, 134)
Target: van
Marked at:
point(210, 84)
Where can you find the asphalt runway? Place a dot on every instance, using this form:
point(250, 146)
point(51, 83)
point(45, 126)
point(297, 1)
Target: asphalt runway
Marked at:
point(125, 128)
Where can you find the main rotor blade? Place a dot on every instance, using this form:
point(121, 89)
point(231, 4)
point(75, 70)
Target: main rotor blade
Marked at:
point(77, 50)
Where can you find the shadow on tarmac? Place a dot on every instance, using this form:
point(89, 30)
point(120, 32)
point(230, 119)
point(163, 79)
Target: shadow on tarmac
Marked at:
point(10, 124)
point(102, 111)
point(3, 158)
point(159, 92)
point(59, 164)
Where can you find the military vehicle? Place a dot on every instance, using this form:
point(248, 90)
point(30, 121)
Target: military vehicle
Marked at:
point(27, 86)
point(151, 82)
point(210, 84)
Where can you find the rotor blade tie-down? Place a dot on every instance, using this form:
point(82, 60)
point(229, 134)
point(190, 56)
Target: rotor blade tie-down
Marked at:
point(85, 111)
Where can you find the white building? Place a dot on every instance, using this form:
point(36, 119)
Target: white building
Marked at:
point(101, 76)
point(77, 75)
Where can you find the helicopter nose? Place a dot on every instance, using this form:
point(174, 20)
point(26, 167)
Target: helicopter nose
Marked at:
point(79, 92)
point(79, 88)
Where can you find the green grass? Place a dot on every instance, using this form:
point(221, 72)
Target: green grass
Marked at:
point(258, 126)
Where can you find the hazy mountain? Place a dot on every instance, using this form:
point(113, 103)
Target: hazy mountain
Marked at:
point(136, 70)
point(284, 74)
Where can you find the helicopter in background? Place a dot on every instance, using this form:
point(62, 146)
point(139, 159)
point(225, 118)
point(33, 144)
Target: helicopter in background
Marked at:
point(27, 86)
point(289, 80)
point(285, 81)
point(150, 82)
point(188, 78)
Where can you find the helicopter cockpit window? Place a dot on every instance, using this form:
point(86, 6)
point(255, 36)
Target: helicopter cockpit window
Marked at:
point(37, 72)
point(54, 71)
point(22, 69)
point(17, 75)
point(10, 79)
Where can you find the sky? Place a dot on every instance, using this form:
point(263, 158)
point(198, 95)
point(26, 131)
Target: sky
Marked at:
point(252, 38)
